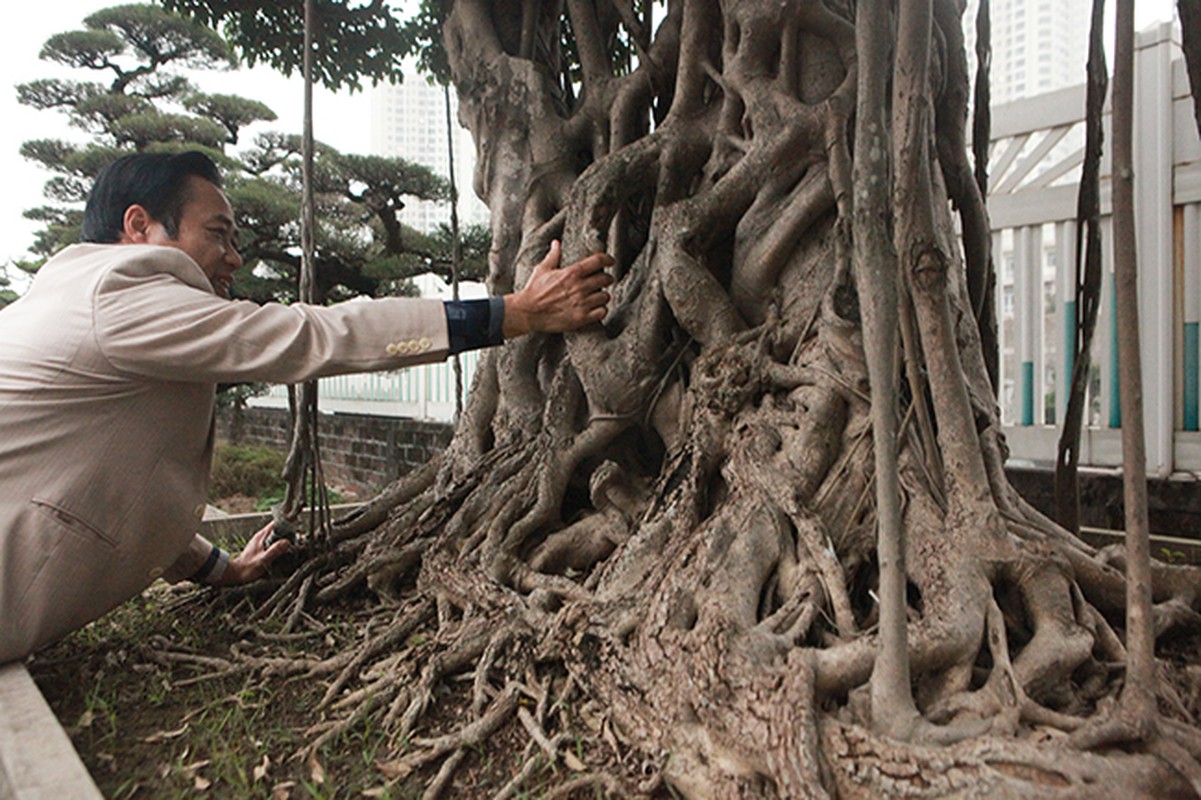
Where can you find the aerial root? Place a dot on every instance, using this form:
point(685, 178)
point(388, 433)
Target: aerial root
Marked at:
point(470, 643)
point(446, 773)
point(533, 761)
point(331, 731)
point(399, 630)
point(604, 780)
point(298, 604)
point(1177, 757)
point(472, 734)
point(165, 653)
point(797, 755)
point(287, 591)
point(813, 537)
point(1175, 612)
point(397, 561)
point(491, 654)
point(1060, 643)
point(793, 619)
point(1186, 736)
point(1128, 724)
point(1002, 701)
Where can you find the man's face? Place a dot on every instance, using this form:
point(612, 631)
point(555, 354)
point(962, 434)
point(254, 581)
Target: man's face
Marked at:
point(206, 233)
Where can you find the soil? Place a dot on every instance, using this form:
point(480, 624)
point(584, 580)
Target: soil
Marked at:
point(237, 504)
point(151, 718)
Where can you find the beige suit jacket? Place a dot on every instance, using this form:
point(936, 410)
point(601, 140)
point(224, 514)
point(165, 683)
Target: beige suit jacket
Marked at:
point(108, 367)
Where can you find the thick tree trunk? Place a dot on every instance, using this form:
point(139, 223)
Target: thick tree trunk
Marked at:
point(661, 530)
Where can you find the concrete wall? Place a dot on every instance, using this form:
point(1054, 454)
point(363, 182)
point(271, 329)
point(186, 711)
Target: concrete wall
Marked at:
point(1173, 506)
point(365, 453)
point(359, 452)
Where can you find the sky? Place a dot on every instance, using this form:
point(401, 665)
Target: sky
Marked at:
point(342, 120)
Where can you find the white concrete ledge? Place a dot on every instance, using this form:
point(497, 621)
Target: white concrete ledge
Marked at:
point(37, 759)
point(222, 526)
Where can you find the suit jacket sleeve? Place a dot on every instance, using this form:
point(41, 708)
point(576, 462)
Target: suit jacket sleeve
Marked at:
point(156, 316)
point(190, 561)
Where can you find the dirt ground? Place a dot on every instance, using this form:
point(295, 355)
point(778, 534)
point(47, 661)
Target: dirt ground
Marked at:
point(143, 695)
point(150, 722)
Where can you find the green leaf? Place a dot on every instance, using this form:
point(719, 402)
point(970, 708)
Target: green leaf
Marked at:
point(355, 41)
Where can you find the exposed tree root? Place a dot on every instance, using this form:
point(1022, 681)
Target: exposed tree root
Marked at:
point(657, 538)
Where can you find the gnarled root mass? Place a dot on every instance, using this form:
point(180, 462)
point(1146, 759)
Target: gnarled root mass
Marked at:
point(659, 534)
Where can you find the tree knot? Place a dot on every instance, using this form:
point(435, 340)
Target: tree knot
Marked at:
point(929, 267)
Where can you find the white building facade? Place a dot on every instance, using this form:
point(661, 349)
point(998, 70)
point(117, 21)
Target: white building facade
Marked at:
point(408, 120)
point(1038, 46)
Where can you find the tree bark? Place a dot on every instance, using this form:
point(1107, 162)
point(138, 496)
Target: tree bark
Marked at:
point(1139, 693)
point(1088, 279)
point(662, 529)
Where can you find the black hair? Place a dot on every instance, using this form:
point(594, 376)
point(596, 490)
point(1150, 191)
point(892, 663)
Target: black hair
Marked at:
point(156, 181)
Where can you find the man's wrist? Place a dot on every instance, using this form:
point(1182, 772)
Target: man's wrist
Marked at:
point(515, 321)
point(213, 569)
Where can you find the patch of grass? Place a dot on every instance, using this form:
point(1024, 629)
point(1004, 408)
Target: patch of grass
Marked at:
point(253, 471)
point(146, 727)
point(276, 495)
point(250, 470)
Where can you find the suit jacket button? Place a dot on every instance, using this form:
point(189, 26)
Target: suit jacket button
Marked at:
point(392, 349)
point(425, 343)
point(199, 511)
point(155, 572)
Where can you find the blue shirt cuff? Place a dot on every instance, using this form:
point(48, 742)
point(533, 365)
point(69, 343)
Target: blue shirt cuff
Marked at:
point(472, 324)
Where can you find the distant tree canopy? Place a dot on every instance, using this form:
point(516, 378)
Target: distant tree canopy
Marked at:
point(136, 100)
point(354, 40)
point(7, 295)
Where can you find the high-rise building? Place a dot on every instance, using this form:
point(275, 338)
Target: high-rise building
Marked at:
point(408, 120)
point(1037, 45)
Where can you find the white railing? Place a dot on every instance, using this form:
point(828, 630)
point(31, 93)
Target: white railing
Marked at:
point(425, 392)
point(1036, 155)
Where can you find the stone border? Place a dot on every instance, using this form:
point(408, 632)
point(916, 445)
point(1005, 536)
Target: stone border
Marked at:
point(37, 759)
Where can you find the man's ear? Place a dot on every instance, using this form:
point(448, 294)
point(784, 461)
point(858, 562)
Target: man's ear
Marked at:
point(136, 225)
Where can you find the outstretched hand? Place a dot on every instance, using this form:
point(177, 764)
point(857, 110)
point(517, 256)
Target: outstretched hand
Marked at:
point(557, 300)
point(256, 556)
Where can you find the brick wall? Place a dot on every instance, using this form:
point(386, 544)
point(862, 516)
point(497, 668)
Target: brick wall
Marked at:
point(359, 452)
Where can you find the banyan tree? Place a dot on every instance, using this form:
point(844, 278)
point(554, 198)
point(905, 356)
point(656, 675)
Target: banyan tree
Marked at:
point(751, 536)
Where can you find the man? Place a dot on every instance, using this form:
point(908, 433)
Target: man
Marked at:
point(108, 368)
